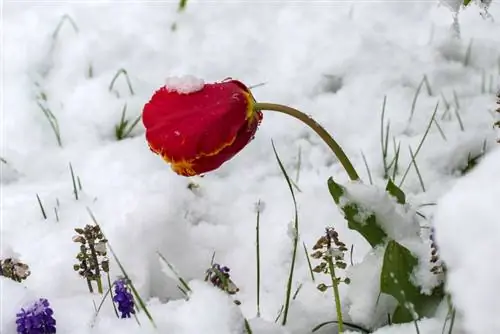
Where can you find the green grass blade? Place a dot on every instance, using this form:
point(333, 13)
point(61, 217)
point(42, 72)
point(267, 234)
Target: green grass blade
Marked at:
point(296, 293)
point(257, 249)
point(417, 169)
point(441, 132)
point(73, 179)
point(41, 207)
point(414, 101)
point(468, 53)
point(123, 72)
point(295, 239)
point(171, 267)
point(420, 144)
point(182, 5)
point(311, 272)
point(367, 168)
point(247, 327)
point(64, 18)
point(382, 136)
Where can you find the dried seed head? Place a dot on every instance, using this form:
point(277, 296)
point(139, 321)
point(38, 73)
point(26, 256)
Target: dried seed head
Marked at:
point(14, 269)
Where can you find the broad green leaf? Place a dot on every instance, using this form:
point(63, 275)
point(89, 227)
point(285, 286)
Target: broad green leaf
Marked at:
point(368, 228)
point(466, 2)
point(395, 280)
point(395, 191)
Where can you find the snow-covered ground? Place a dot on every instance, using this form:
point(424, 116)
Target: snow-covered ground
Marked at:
point(335, 60)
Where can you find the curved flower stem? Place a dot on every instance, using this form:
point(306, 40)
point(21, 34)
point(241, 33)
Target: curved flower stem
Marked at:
point(327, 138)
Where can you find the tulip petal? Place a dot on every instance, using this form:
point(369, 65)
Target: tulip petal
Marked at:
point(199, 131)
point(184, 126)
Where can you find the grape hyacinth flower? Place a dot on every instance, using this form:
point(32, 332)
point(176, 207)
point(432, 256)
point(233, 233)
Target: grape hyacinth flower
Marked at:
point(219, 276)
point(37, 319)
point(123, 298)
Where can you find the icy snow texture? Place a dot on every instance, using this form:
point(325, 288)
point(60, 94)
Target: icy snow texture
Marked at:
point(398, 221)
point(468, 233)
point(184, 85)
point(375, 49)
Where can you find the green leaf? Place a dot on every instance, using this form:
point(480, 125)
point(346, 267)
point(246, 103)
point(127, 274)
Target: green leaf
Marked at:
point(466, 2)
point(368, 228)
point(395, 280)
point(395, 191)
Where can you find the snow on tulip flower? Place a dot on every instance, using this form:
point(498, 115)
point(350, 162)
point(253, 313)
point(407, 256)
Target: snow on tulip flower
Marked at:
point(196, 127)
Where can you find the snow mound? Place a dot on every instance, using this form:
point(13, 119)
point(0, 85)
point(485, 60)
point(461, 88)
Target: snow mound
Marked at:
point(184, 85)
point(468, 235)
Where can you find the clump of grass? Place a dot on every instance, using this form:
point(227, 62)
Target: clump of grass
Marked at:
point(473, 160)
point(124, 73)
point(123, 129)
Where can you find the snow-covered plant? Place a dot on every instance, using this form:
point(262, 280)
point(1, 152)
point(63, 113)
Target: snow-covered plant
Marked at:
point(14, 269)
point(36, 319)
point(92, 257)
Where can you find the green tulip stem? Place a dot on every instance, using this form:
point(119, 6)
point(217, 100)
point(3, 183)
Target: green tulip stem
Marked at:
point(327, 138)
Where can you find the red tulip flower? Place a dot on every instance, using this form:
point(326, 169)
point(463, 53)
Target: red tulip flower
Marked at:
point(198, 131)
point(196, 128)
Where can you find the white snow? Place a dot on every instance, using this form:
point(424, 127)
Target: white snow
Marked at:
point(186, 84)
point(335, 61)
point(468, 232)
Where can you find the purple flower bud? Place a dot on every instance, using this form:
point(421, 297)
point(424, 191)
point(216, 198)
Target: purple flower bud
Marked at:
point(37, 319)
